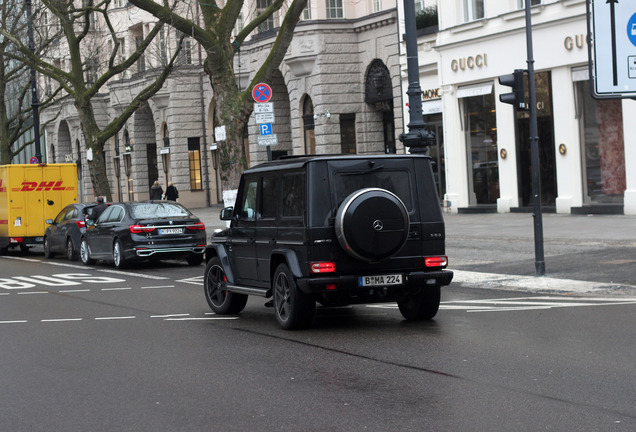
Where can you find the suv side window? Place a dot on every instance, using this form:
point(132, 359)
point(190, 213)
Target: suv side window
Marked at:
point(248, 206)
point(269, 196)
point(293, 196)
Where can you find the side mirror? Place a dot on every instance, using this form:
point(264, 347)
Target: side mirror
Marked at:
point(49, 221)
point(90, 223)
point(226, 213)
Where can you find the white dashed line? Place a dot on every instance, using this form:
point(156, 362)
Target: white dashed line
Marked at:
point(201, 319)
point(13, 322)
point(169, 316)
point(158, 287)
point(117, 289)
point(74, 291)
point(61, 319)
point(114, 318)
point(33, 292)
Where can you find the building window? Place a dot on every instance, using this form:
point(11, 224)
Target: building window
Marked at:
point(120, 3)
point(240, 23)
point(348, 133)
point(141, 62)
point(603, 155)
point(268, 24)
point(307, 11)
point(473, 10)
point(185, 55)
point(481, 145)
point(309, 126)
point(522, 3)
point(334, 9)
point(419, 6)
point(92, 70)
point(194, 158)
point(377, 5)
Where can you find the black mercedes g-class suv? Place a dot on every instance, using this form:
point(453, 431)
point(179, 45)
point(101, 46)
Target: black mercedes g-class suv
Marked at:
point(332, 229)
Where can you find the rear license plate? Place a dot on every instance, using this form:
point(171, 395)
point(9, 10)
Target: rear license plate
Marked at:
point(380, 280)
point(39, 239)
point(171, 231)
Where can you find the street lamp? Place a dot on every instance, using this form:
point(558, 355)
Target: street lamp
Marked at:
point(128, 168)
point(165, 160)
point(117, 162)
point(215, 165)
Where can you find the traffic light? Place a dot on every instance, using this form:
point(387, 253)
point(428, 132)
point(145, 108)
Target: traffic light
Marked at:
point(516, 98)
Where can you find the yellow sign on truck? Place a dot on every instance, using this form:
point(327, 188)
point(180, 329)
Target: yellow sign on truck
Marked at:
point(29, 195)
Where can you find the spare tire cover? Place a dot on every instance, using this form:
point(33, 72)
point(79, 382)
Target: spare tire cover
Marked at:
point(372, 224)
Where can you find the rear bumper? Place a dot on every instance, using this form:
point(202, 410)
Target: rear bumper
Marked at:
point(148, 252)
point(349, 283)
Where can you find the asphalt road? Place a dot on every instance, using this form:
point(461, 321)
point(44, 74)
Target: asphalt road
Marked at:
point(93, 348)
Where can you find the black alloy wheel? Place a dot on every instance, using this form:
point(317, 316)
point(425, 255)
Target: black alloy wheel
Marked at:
point(293, 309)
point(219, 299)
point(118, 255)
point(47, 249)
point(422, 305)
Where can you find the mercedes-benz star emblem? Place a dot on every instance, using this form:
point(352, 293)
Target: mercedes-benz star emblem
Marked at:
point(378, 225)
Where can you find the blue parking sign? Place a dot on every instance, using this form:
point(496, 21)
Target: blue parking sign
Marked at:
point(266, 128)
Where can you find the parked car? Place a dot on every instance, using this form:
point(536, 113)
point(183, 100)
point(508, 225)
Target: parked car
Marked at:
point(63, 233)
point(133, 231)
point(336, 230)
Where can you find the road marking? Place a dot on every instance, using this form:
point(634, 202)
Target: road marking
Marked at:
point(521, 303)
point(114, 318)
point(201, 319)
point(75, 266)
point(158, 287)
point(13, 322)
point(75, 290)
point(530, 283)
point(197, 280)
point(116, 289)
point(132, 274)
point(61, 319)
point(32, 292)
point(169, 316)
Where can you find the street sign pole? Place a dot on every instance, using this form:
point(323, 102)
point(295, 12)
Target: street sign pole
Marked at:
point(539, 260)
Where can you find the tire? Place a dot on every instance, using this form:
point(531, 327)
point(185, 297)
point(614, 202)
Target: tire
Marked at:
point(70, 250)
point(195, 260)
point(219, 299)
point(85, 253)
point(422, 305)
point(118, 255)
point(293, 309)
point(47, 249)
point(372, 224)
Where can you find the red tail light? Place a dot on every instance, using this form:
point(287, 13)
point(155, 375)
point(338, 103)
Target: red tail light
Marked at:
point(438, 261)
point(80, 224)
point(197, 226)
point(140, 229)
point(16, 240)
point(323, 267)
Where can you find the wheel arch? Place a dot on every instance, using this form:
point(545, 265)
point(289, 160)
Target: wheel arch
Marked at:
point(220, 252)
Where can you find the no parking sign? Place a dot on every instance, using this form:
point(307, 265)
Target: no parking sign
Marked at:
point(262, 93)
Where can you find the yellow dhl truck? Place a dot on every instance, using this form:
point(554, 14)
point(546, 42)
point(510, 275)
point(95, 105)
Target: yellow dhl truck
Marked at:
point(29, 195)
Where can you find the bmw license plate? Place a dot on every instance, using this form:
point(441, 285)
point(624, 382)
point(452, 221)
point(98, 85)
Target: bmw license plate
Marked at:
point(171, 231)
point(380, 280)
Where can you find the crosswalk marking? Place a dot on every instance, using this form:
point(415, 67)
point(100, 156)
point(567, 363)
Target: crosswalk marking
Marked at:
point(522, 303)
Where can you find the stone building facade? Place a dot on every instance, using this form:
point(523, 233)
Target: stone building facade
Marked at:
point(337, 90)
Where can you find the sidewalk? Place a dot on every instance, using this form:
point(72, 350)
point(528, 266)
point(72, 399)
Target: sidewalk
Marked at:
point(583, 254)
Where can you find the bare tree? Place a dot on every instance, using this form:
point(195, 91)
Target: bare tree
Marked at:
point(83, 62)
point(215, 35)
point(15, 85)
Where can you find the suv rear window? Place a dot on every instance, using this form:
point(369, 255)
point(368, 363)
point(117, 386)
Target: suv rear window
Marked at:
point(396, 181)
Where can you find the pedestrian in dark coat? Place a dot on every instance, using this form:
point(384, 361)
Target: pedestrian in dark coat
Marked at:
point(156, 191)
point(171, 192)
point(98, 209)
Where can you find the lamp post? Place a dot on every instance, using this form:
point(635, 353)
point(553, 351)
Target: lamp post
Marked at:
point(165, 160)
point(418, 139)
point(117, 162)
point(35, 103)
point(128, 168)
point(215, 165)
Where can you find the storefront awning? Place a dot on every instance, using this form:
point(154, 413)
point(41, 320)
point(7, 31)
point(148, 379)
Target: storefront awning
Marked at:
point(474, 90)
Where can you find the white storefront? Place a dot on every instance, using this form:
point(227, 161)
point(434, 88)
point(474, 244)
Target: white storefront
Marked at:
point(586, 146)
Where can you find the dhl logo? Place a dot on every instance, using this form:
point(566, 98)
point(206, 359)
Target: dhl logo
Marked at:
point(42, 186)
